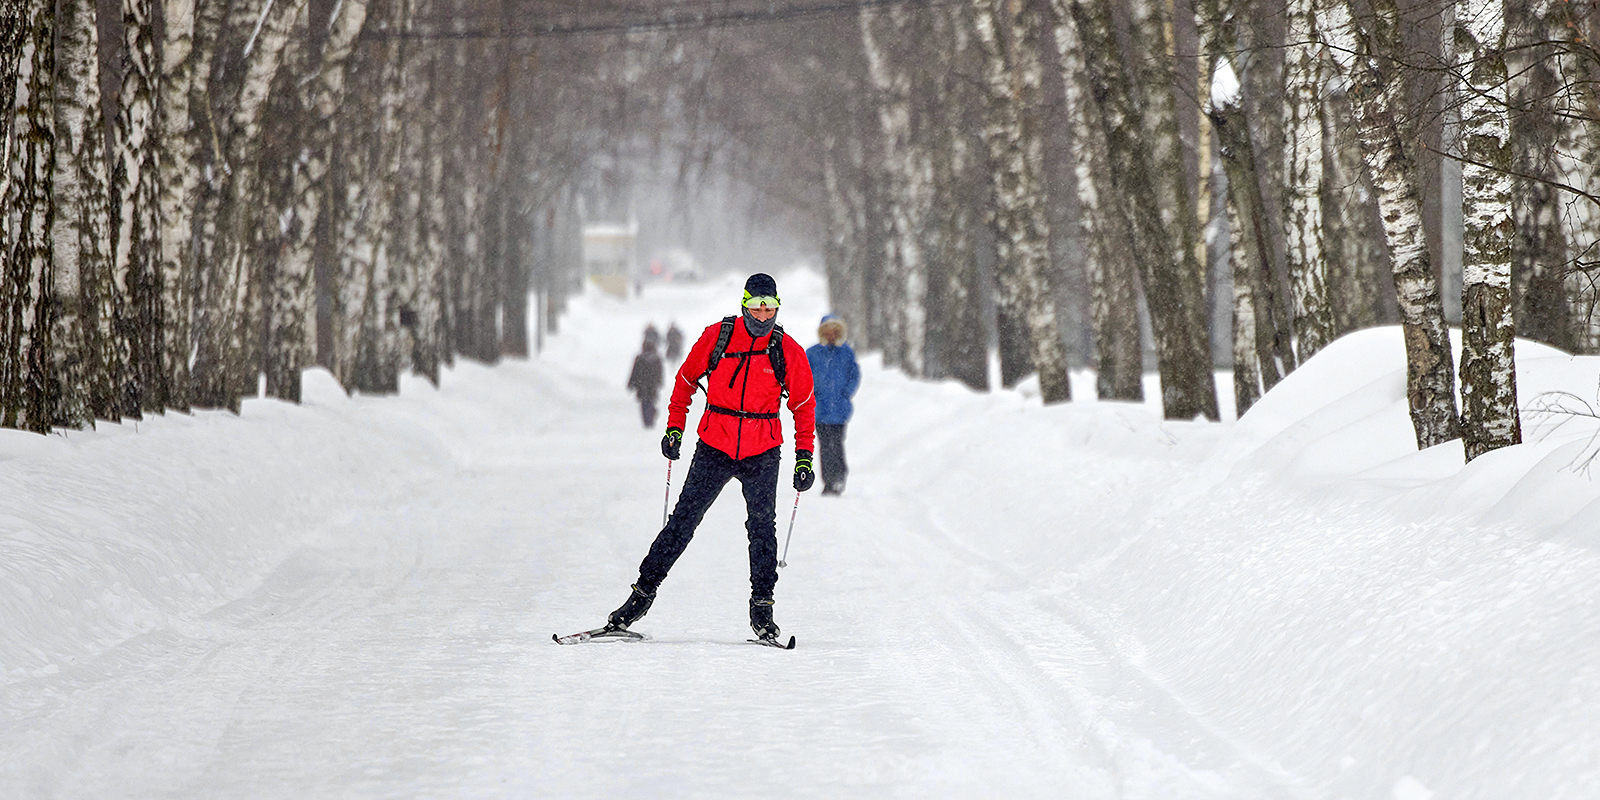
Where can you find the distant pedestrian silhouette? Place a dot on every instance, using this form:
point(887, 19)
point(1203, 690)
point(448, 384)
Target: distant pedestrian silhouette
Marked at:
point(645, 379)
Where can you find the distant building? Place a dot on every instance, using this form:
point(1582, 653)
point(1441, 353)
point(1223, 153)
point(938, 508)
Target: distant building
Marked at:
point(608, 255)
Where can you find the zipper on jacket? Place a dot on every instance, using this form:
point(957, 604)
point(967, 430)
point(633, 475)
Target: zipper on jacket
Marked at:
point(744, 388)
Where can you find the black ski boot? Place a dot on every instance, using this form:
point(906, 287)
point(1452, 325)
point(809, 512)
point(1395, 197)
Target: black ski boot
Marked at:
point(761, 618)
point(638, 603)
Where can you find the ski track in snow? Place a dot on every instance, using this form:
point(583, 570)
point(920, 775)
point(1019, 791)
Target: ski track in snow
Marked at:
point(399, 644)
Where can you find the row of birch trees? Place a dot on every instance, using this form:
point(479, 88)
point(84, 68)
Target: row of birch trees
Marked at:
point(1210, 182)
point(203, 198)
point(204, 195)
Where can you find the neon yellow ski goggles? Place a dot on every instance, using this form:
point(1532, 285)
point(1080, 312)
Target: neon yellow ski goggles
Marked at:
point(770, 301)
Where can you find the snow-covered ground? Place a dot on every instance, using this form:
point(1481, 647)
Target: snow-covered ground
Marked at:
point(354, 597)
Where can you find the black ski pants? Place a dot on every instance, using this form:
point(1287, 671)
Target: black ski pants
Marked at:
point(831, 456)
point(709, 471)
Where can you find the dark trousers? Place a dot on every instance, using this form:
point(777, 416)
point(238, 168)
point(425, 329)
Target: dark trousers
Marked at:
point(830, 456)
point(711, 470)
point(647, 410)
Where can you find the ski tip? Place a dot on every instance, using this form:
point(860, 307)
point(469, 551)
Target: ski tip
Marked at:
point(790, 646)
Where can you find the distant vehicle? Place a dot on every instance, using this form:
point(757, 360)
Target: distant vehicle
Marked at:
point(673, 265)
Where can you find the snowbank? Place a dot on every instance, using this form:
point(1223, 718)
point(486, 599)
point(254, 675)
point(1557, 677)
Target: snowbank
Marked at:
point(1368, 619)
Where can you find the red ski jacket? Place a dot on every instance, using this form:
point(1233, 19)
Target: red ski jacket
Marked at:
point(741, 417)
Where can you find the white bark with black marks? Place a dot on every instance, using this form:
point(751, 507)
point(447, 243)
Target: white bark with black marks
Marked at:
point(1375, 48)
point(89, 354)
point(1304, 80)
point(1112, 276)
point(1009, 35)
point(26, 378)
point(1489, 418)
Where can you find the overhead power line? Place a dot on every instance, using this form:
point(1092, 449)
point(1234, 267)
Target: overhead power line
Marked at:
point(673, 19)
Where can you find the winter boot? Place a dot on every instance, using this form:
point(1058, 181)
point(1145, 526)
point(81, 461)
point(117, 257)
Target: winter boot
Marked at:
point(638, 603)
point(761, 618)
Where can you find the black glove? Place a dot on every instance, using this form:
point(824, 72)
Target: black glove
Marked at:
point(803, 476)
point(672, 443)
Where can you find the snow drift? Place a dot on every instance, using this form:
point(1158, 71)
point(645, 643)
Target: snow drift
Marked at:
point(1354, 616)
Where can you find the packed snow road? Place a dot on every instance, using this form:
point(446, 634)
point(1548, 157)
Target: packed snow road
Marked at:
point(401, 646)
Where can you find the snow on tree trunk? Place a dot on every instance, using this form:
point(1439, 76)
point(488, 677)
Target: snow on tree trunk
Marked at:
point(1303, 182)
point(1488, 367)
point(1373, 48)
point(25, 370)
point(1009, 33)
point(134, 179)
point(1112, 276)
point(90, 354)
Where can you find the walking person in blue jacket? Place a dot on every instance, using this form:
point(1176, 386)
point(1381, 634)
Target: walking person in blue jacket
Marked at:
point(837, 376)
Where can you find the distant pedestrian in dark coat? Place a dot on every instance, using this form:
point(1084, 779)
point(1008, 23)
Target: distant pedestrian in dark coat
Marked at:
point(837, 376)
point(645, 380)
point(674, 342)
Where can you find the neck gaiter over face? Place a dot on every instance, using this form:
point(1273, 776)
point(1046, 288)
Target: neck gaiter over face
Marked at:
point(755, 327)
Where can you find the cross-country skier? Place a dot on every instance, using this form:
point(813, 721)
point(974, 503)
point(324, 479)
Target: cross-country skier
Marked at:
point(740, 437)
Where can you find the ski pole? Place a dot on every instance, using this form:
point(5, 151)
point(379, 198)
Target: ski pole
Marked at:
point(667, 500)
point(784, 561)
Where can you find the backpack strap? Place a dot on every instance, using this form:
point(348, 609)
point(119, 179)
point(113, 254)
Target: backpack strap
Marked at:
point(774, 354)
point(717, 350)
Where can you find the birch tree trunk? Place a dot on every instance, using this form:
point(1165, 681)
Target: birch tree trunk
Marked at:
point(363, 351)
point(1303, 183)
point(1247, 367)
point(1578, 148)
point(1378, 96)
point(135, 175)
point(846, 231)
point(90, 356)
point(1111, 273)
point(1488, 365)
point(178, 165)
point(14, 36)
point(902, 288)
point(227, 349)
point(25, 369)
point(957, 344)
point(291, 299)
point(1360, 283)
point(1266, 352)
point(1151, 193)
point(1009, 32)
point(1540, 253)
